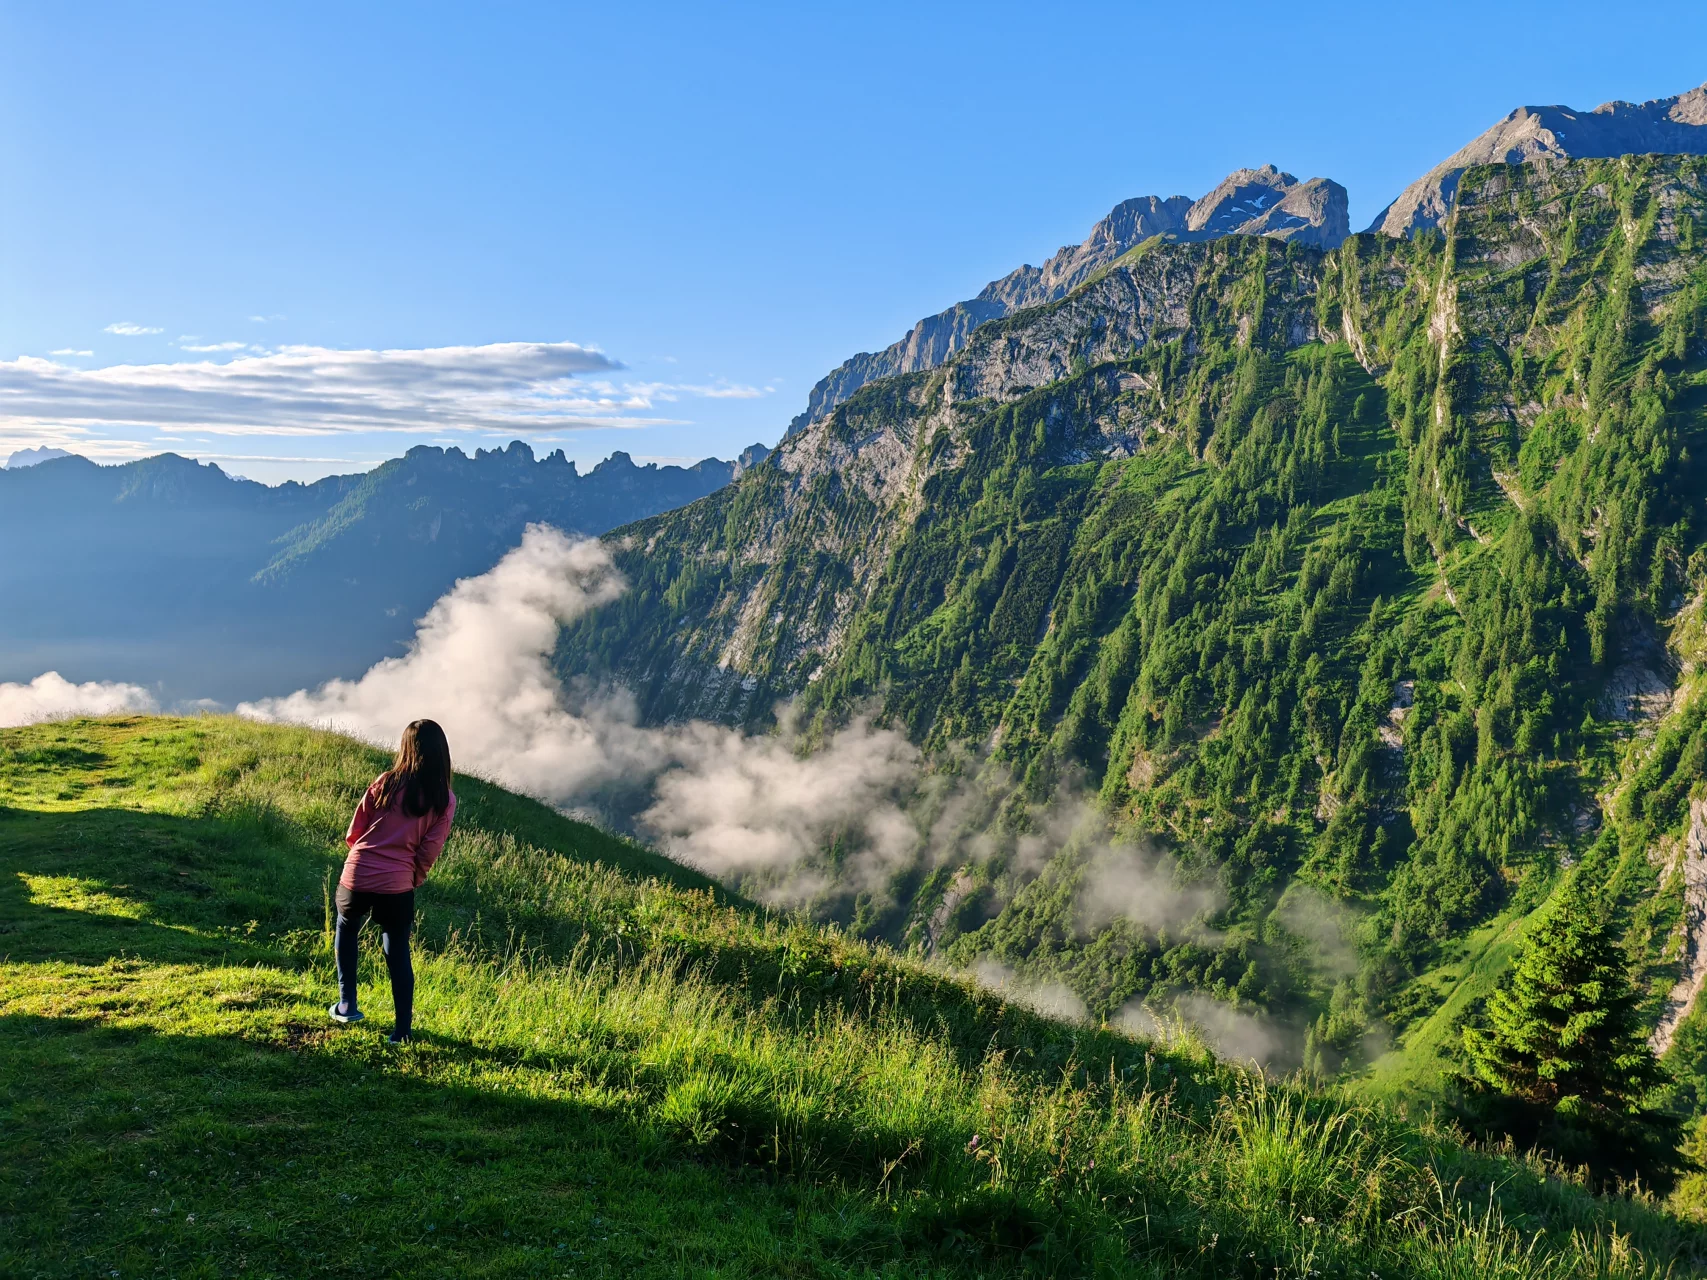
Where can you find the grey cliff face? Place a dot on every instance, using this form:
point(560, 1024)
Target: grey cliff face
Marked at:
point(1255, 202)
point(1665, 126)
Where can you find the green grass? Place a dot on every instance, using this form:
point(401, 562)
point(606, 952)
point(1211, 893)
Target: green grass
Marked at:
point(624, 1072)
point(1418, 1065)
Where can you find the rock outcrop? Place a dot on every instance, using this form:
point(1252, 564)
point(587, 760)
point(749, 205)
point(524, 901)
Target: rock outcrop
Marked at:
point(1252, 202)
point(1680, 1001)
point(1267, 202)
point(1665, 126)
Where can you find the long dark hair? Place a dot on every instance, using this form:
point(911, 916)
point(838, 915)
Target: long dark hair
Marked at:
point(419, 779)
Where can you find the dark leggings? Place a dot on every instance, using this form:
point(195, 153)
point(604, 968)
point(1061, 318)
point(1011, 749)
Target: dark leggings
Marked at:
point(394, 913)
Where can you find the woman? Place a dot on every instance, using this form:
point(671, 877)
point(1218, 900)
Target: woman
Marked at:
point(397, 834)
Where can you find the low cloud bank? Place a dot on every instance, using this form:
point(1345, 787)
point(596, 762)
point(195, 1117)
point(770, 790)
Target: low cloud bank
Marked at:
point(761, 811)
point(52, 697)
point(749, 807)
point(1052, 999)
point(786, 824)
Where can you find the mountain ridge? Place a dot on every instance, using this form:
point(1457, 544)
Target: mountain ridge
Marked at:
point(169, 569)
point(1676, 125)
point(1263, 201)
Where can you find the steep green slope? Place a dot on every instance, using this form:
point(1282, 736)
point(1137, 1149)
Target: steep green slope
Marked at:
point(623, 1072)
point(1349, 570)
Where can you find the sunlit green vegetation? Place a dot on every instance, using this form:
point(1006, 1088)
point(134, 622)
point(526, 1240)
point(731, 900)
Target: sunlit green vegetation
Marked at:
point(1345, 581)
point(623, 1071)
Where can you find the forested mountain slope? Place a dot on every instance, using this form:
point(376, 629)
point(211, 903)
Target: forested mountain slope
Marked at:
point(168, 571)
point(1362, 581)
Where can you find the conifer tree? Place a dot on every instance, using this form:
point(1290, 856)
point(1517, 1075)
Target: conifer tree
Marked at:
point(1563, 1059)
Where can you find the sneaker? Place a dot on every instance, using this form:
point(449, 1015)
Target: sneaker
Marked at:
point(400, 1037)
point(354, 1015)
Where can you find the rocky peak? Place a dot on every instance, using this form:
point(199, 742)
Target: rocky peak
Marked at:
point(1267, 202)
point(22, 458)
point(1666, 126)
point(1128, 224)
point(1258, 202)
point(749, 458)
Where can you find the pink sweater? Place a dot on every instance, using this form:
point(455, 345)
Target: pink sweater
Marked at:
point(391, 852)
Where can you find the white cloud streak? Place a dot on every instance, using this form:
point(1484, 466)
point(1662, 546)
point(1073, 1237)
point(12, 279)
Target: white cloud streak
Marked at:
point(128, 330)
point(70, 351)
point(189, 343)
point(1236, 1035)
point(525, 388)
point(52, 697)
point(1052, 999)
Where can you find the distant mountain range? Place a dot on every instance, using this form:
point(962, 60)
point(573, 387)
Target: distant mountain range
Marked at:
point(30, 457)
point(171, 573)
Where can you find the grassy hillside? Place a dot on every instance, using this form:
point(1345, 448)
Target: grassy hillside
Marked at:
point(624, 1072)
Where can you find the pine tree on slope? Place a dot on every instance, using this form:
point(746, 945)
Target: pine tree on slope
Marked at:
point(1563, 1060)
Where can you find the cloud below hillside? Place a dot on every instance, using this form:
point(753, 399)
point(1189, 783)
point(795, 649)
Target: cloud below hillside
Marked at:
point(756, 809)
point(52, 697)
point(713, 797)
point(1234, 1034)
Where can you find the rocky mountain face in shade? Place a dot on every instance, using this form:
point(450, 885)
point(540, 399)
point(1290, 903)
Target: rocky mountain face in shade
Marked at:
point(173, 574)
point(1252, 202)
point(1267, 202)
point(1665, 126)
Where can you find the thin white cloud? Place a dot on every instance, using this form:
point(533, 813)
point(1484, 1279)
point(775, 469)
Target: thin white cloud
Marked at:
point(528, 388)
point(70, 351)
point(126, 329)
point(725, 392)
point(190, 342)
point(718, 390)
point(356, 463)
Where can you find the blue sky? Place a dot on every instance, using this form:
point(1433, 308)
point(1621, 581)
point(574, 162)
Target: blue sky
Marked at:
point(673, 218)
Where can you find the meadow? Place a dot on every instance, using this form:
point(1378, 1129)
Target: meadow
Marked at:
point(624, 1070)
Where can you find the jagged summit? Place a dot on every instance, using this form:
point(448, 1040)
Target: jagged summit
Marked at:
point(1254, 202)
point(33, 457)
point(1267, 202)
point(1666, 126)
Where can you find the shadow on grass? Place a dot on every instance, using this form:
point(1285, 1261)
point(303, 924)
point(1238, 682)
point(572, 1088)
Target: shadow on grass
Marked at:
point(367, 1157)
point(94, 884)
